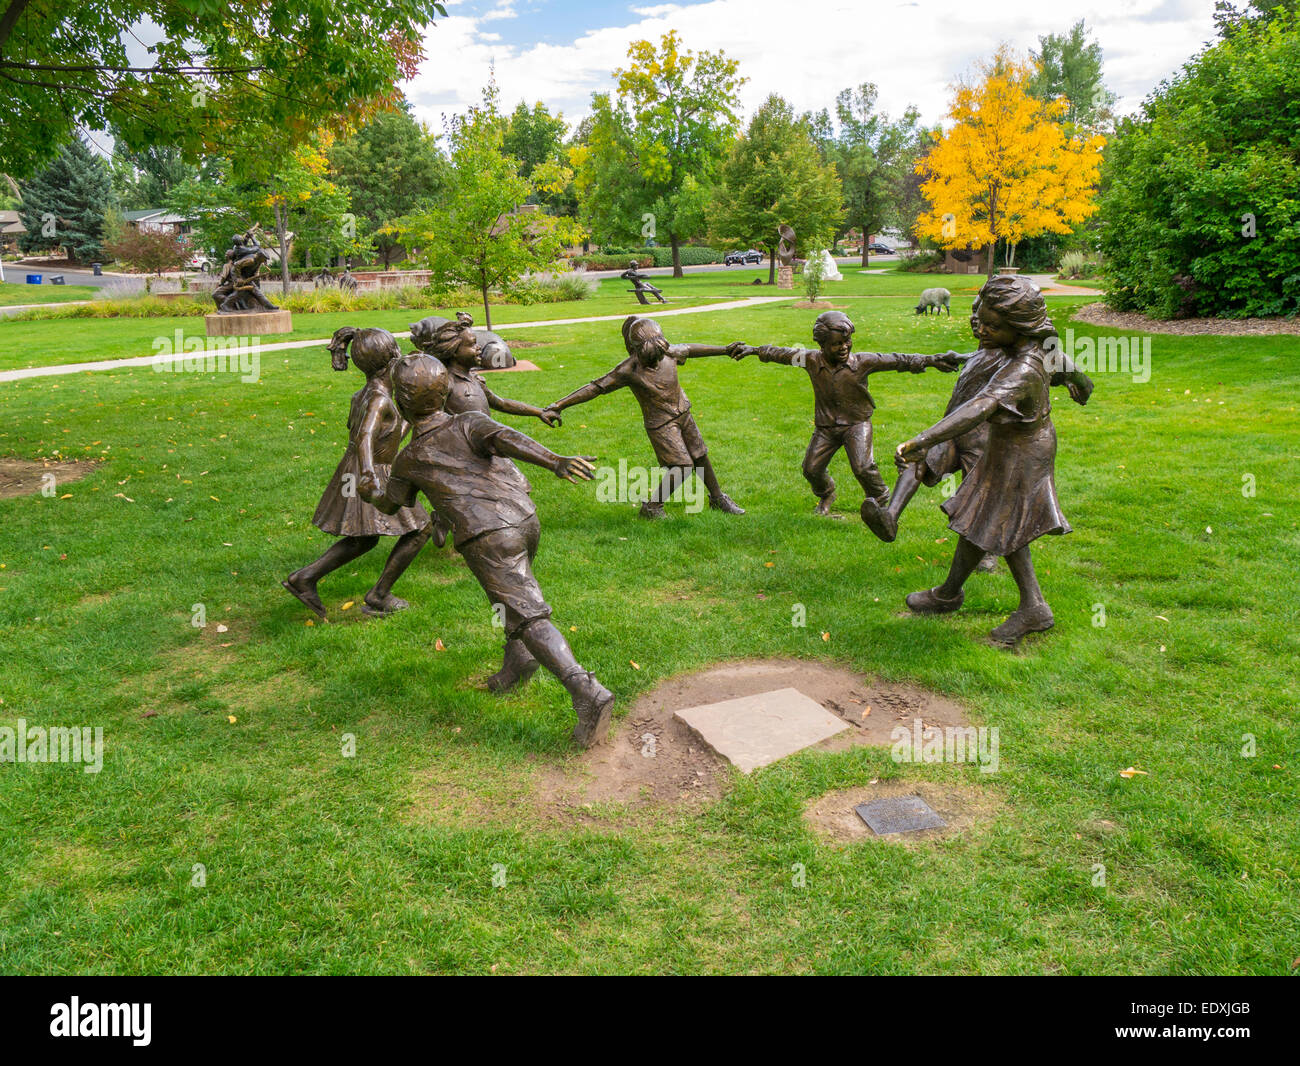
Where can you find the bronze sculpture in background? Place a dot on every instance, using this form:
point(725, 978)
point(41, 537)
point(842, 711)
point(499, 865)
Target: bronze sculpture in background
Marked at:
point(462, 463)
point(375, 431)
point(650, 371)
point(785, 256)
point(238, 288)
point(641, 285)
point(1008, 499)
point(842, 404)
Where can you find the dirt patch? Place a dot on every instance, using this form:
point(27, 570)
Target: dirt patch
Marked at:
point(963, 806)
point(26, 477)
point(815, 305)
point(515, 345)
point(682, 770)
point(1098, 314)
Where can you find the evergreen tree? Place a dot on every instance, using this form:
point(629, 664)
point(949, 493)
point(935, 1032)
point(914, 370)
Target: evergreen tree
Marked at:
point(65, 204)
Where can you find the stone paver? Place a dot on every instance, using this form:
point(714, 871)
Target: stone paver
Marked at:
point(899, 814)
point(754, 731)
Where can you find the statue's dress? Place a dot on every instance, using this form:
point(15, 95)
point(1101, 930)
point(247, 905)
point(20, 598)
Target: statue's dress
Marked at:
point(1009, 498)
point(341, 510)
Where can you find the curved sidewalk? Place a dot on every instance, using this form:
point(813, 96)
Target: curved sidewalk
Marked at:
point(59, 369)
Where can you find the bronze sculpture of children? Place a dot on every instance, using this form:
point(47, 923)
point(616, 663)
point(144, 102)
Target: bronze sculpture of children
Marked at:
point(375, 431)
point(842, 404)
point(462, 463)
point(1008, 499)
point(650, 371)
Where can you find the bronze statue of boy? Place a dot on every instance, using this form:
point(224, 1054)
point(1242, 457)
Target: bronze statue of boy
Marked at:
point(650, 371)
point(462, 463)
point(843, 406)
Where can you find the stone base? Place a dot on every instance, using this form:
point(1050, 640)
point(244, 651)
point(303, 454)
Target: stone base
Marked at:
point(785, 277)
point(248, 323)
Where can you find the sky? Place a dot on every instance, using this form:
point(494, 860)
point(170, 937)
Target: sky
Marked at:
point(560, 51)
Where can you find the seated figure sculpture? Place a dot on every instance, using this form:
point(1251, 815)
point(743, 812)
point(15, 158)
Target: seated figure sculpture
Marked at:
point(462, 463)
point(641, 285)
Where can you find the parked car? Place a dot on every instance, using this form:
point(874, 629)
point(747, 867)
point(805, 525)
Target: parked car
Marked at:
point(200, 261)
point(753, 255)
point(876, 248)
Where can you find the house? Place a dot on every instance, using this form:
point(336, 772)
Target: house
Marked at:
point(10, 227)
point(156, 218)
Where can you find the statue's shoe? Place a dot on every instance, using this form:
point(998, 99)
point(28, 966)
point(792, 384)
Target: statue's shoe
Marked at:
point(724, 503)
point(518, 666)
point(879, 520)
point(1034, 620)
point(823, 507)
point(593, 703)
point(391, 605)
point(653, 510)
point(929, 601)
point(306, 595)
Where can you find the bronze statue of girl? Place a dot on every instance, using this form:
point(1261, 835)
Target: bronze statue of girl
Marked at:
point(1008, 499)
point(375, 432)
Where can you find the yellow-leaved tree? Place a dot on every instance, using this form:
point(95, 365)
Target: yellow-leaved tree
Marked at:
point(1006, 170)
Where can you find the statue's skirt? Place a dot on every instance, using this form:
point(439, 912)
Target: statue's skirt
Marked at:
point(344, 513)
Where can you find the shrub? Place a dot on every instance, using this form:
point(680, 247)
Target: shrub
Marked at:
point(1200, 214)
point(922, 262)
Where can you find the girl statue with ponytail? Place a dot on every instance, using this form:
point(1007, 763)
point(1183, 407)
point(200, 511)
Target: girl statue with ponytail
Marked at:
point(1008, 499)
point(375, 432)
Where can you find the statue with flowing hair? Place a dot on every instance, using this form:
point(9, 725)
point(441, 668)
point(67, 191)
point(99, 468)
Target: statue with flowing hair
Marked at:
point(375, 432)
point(1008, 498)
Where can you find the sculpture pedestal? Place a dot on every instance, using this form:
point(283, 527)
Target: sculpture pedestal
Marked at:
point(248, 323)
point(785, 277)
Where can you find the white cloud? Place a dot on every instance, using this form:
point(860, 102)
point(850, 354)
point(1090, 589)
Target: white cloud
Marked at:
point(810, 51)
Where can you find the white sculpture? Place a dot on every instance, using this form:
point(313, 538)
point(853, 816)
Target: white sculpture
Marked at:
point(830, 272)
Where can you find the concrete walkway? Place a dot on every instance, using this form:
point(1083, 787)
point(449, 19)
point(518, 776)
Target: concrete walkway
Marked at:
point(164, 360)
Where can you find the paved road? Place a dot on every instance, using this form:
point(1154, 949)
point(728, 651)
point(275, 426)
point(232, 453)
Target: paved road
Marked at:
point(709, 268)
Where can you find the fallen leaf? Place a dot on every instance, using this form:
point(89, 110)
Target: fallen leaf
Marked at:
point(866, 712)
point(222, 629)
point(348, 606)
point(309, 622)
point(231, 719)
point(438, 645)
point(1130, 772)
point(826, 636)
point(635, 666)
point(769, 564)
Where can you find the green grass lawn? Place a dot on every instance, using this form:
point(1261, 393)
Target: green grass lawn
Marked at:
point(44, 343)
point(383, 862)
point(15, 290)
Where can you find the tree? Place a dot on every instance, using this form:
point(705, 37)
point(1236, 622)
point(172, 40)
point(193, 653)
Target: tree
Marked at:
point(389, 167)
point(1006, 170)
point(775, 174)
point(219, 77)
point(533, 136)
point(147, 177)
point(480, 234)
point(873, 155)
point(287, 191)
point(1069, 66)
point(149, 250)
point(1200, 211)
point(66, 202)
point(654, 149)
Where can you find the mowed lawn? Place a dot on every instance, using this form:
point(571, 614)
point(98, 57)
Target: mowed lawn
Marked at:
point(14, 291)
point(225, 748)
point(77, 340)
